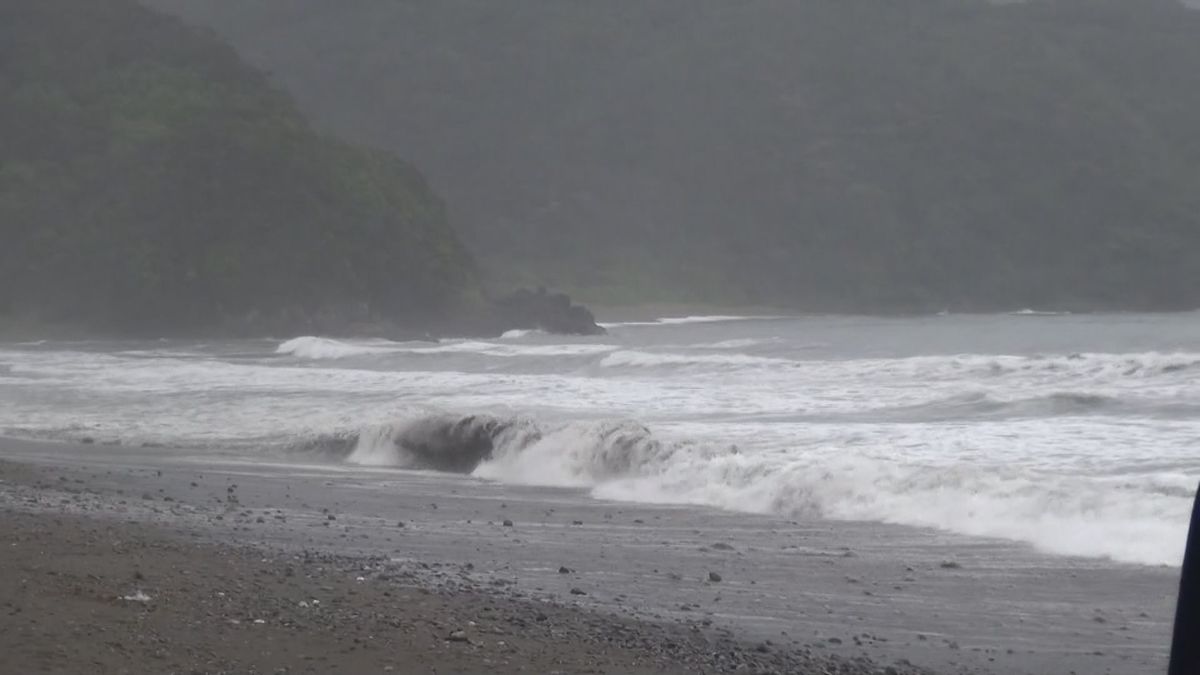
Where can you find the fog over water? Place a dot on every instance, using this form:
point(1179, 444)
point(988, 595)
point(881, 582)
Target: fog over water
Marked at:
point(1073, 433)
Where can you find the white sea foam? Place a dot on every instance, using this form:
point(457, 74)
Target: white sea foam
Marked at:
point(684, 320)
point(1034, 312)
point(719, 318)
point(1128, 519)
point(1098, 367)
point(513, 350)
point(641, 359)
point(739, 343)
point(519, 333)
point(311, 347)
point(317, 348)
point(1136, 517)
point(1088, 453)
point(626, 324)
point(1140, 518)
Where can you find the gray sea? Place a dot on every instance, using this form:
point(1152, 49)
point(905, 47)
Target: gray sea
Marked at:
point(1078, 434)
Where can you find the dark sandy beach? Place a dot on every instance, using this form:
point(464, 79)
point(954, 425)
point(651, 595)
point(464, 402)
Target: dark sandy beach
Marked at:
point(96, 595)
point(316, 568)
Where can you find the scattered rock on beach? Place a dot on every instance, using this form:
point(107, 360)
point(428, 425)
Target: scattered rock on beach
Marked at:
point(272, 590)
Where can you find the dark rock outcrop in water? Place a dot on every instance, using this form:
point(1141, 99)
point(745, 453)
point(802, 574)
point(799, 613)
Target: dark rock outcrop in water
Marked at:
point(550, 312)
point(523, 309)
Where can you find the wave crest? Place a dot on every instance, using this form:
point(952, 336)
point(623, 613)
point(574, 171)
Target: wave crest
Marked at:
point(312, 347)
point(1089, 366)
point(983, 405)
point(1132, 518)
point(513, 449)
point(518, 333)
point(449, 443)
point(640, 359)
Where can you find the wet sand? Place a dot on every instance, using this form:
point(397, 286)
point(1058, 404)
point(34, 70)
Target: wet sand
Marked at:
point(616, 582)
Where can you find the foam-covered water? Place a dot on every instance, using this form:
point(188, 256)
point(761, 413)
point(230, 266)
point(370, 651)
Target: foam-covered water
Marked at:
point(1077, 434)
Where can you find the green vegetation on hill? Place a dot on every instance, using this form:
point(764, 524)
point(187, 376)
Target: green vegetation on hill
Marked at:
point(151, 180)
point(848, 155)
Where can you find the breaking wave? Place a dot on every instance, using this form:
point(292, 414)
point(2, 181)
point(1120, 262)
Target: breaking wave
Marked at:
point(684, 320)
point(640, 359)
point(1095, 366)
point(1035, 312)
point(513, 350)
point(1136, 518)
point(720, 318)
point(1070, 371)
point(743, 343)
point(1066, 368)
point(1085, 453)
point(506, 448)
point(310, 347)
point(518, 333)
point(319, 348)
point(982, 405)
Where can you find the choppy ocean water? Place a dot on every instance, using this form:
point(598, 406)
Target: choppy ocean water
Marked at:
point(1077, 434)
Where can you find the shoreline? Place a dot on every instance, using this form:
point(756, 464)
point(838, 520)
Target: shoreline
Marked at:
point(607, 314)
point(660, 310)
point(17, 330)
point(800, 589)
point(144, 599)
point(99, 592)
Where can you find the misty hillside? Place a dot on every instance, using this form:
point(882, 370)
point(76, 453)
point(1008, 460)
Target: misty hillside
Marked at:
point(150, 180)
point(825, 155)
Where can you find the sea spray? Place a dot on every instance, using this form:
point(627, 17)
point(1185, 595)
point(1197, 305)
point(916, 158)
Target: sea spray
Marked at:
point(311, 347)
point(1075, 434)
point(1132, 518)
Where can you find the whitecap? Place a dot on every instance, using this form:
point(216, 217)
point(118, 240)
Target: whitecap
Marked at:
point(642, 359)
point(311, 347)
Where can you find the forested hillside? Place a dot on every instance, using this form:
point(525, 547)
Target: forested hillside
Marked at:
point(849, 155)
point(151, 181)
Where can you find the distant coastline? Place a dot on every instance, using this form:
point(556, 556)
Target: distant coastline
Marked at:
point(654, 311)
